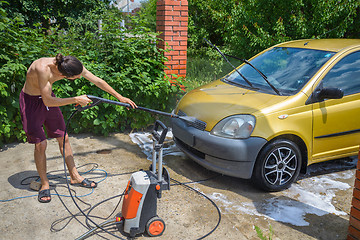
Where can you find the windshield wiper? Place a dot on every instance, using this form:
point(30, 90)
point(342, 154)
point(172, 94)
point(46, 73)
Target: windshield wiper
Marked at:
point(237, 84)
point(227, 60)
point(262, 74)
point(245, 61)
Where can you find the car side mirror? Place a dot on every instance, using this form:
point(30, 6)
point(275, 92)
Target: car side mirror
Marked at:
point(321, 94)
point(329, 93)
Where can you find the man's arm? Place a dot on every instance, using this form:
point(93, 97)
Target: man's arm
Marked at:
point(106, 87)
point(50, 101)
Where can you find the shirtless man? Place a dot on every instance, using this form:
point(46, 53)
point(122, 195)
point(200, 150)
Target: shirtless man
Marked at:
point(39, 106)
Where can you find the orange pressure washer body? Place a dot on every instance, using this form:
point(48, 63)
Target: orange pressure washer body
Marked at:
point(139, 209)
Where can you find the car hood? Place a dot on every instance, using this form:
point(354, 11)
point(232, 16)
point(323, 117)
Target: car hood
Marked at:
point(217, 100)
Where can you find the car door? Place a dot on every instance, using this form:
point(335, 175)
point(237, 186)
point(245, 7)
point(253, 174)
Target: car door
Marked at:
point(336, 122)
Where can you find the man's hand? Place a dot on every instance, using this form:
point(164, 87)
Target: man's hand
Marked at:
point(127, 100)
point(82, 100)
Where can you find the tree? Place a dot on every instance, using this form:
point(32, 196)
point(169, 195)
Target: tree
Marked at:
point(148, 13)
point(249, 26)
point(127, 59)
point(277, 21)
point(19, 46)
point(59, 11)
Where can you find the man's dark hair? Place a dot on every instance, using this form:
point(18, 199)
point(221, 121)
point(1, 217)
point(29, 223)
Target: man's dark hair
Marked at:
point(68, 66)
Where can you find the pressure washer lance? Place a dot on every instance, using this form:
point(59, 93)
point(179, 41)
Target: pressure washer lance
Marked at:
point(139, 210)
point(96, 100)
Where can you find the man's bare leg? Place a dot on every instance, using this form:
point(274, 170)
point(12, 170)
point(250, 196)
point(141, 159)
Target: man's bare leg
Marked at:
point(69, 160)
point(40, 161)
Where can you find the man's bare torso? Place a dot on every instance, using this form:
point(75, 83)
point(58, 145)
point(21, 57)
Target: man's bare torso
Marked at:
point(43, 72)
point(43, 66)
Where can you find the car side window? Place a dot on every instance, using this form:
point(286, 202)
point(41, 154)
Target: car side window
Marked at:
point(345, 75)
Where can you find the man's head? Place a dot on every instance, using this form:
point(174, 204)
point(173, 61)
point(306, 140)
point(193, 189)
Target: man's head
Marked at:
point(68, 66)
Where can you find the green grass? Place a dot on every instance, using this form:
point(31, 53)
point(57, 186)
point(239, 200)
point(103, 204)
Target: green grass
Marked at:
point(261, 235)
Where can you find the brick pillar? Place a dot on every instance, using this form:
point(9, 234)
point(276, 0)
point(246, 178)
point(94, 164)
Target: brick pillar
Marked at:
point(354, 228)
point(172, 23)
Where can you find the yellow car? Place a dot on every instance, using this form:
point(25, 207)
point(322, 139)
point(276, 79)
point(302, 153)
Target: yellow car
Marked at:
point(292, 105)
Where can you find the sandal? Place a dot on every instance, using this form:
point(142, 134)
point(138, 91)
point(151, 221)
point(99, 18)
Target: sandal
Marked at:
point(44, 193)
point(86, 183)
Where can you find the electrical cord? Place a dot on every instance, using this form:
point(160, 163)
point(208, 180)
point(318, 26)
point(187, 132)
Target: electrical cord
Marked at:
point(68, 186)
point(16, 198)
point(89, 209)
point(73, 216)
point(37, 178)
point(98, 204)
point(111, 221)
point(212, 202)
point(199, 181)
point(97, 226)
point(177, 183)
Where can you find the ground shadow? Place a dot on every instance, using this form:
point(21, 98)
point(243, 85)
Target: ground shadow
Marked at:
point(333, 166)
point(23, 179)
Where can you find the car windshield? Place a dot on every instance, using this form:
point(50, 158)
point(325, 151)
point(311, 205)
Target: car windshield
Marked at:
point(287, 69)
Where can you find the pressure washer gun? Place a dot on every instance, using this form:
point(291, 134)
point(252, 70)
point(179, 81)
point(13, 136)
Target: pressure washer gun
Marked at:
point(96, 100)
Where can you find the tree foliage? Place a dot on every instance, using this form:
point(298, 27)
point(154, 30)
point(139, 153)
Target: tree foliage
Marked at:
point(41, 11)
point(244, 28)
point(19, 46)
point(127, 58)
point(249, 26)
point(148, 13)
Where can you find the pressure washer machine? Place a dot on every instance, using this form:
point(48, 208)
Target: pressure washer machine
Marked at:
point(139, 209)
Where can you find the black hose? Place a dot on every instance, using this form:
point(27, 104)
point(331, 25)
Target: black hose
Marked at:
point(67, 182)
point(99, 203)
point(212, 202)
point(97, 226)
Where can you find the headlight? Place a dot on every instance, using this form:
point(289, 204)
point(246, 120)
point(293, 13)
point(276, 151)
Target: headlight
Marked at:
point(237, 126)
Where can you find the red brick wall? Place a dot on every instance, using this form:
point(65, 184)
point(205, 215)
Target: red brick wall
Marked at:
point(172, 23)
point(354, 228)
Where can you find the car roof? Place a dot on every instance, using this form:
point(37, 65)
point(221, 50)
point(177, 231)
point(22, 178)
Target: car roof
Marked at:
point(333, 45)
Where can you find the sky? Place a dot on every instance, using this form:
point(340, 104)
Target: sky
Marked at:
point(122, 4)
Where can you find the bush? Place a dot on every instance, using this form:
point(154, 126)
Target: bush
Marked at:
point(130, 62)
point(18, 47)
point(247, 27)
point(127, 59)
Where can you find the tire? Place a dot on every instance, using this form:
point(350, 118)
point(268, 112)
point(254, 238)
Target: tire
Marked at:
point(155, 227)
point(277, 166)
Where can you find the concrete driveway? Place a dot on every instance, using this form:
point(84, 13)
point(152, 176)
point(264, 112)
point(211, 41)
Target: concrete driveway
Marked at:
point(316, 207)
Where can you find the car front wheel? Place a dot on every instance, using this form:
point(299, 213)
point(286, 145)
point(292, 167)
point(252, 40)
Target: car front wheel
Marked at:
point(277, 166)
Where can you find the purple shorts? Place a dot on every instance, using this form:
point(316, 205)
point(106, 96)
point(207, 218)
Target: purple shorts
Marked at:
point(34, 114)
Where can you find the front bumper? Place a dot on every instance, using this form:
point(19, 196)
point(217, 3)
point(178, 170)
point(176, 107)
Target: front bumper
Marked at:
point(233, 157)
